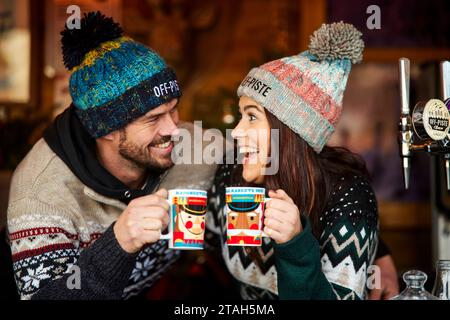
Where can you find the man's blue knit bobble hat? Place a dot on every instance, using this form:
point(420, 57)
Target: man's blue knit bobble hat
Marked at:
point(115, 79)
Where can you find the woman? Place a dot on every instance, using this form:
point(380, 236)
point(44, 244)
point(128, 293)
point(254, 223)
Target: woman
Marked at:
point(322, 219)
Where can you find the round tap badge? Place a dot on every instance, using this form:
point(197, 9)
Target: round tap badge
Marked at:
point(436, 119)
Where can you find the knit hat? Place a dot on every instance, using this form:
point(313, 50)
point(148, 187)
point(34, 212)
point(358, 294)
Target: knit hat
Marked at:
point(305, 91)
point(114, 79)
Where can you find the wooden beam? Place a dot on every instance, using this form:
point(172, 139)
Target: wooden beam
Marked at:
point(312, 15)
point(404, 215)
point(417, 55)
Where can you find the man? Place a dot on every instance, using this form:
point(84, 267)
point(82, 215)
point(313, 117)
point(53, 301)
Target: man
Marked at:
point(85, 214)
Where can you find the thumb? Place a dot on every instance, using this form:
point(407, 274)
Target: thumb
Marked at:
point(280, 194)
point(162, 193)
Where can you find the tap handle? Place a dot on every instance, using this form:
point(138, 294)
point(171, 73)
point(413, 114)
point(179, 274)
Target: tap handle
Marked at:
point(404, 74)
point(405, 124)
point(445, 79)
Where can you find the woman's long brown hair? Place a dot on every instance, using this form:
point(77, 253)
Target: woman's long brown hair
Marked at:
point(307, 177)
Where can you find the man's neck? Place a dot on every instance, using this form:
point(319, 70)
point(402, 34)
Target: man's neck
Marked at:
point(128, 173)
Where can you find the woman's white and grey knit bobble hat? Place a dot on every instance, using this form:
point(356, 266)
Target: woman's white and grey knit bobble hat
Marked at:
point(305, 91)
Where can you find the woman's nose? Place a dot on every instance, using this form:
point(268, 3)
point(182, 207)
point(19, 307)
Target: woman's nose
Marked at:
point(238, 132)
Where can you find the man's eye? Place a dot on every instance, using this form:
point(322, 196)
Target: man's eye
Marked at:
point(251, 117)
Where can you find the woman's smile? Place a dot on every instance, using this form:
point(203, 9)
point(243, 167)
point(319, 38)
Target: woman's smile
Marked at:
point(250, 155)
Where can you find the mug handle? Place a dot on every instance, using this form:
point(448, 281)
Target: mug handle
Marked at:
point(169, 234)
point(262, 232)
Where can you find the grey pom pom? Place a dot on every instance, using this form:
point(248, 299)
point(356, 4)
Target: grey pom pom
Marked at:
point(337, 41)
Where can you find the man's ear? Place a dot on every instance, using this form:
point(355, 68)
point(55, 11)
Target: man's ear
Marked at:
point(113, 136)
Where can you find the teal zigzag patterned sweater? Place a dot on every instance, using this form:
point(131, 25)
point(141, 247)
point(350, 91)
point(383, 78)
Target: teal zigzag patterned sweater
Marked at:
point(331, 267)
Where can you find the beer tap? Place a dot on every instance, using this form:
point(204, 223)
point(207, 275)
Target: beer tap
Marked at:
point(406, 135)
point(428, 128)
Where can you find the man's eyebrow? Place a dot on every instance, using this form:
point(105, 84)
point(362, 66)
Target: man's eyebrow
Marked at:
point(149, 116)
point(161, 113)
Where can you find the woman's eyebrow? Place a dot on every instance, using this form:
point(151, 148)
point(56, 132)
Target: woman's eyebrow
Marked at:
point(251, 107)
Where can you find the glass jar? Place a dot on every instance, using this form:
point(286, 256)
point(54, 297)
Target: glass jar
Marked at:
point(441, 287)
point(415, 281)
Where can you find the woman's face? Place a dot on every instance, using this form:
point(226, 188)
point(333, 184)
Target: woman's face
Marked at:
point(253, 137)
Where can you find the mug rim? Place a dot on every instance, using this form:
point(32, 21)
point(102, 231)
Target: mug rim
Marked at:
point(257, 189)
point(171, 191)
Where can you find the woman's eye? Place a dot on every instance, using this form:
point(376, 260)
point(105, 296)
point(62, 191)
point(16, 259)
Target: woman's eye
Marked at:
point(251, 117)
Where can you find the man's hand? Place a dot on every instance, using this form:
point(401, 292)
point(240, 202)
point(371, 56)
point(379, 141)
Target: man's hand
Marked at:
point(389, 283)
point(142, 221)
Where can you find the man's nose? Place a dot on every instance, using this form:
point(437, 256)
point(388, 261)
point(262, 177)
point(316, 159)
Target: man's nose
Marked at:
point(169, 127)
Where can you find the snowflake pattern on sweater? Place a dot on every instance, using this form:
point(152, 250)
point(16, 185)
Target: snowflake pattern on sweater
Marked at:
point(45, 254)
point(348, 241)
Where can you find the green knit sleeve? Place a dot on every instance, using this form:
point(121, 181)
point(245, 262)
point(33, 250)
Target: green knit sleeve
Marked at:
point(349, 237)
point(299, 269)
point(336, 265)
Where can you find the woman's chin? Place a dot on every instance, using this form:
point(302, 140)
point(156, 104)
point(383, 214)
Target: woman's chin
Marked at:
point(252, 175)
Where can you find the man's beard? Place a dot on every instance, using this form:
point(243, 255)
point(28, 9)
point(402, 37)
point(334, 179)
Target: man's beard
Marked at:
point(140, 157)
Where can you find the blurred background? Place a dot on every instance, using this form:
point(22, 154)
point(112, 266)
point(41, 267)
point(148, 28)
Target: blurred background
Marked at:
point(212, 44)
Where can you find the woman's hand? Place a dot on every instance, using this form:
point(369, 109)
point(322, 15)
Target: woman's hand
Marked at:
point(281, 217)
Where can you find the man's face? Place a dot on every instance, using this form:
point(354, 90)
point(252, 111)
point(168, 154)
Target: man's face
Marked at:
point(146, 142)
